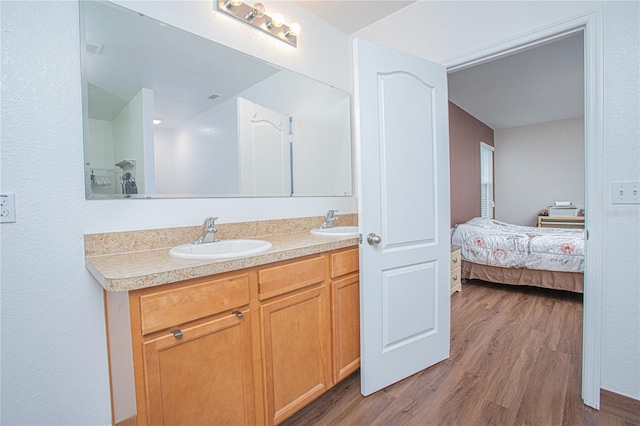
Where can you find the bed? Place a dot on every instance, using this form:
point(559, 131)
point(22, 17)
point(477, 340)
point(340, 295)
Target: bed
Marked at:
point(521, 255)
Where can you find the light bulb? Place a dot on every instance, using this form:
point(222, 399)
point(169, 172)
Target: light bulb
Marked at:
point(277, 20)
point(257, 11)
point(294, 30)
point(230, 4)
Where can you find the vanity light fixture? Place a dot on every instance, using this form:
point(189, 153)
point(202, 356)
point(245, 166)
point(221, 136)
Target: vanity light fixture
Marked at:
point(255, 16)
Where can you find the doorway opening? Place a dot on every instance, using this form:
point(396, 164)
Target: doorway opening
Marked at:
point(587, 25)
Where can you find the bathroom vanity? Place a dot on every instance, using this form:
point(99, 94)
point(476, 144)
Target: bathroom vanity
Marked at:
point(251, 344)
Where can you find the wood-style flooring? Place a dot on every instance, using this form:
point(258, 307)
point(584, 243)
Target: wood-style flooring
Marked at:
point(516, 359)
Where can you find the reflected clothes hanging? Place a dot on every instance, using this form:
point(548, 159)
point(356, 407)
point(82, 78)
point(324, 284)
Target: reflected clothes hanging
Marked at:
point(129, 185)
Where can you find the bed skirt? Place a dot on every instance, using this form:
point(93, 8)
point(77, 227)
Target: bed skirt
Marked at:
point(570, 281)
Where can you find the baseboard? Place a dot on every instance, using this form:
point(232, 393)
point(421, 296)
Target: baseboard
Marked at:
point(619, 405)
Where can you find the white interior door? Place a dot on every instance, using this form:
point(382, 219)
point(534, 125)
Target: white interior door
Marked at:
point(263, 150)
point(403, 141)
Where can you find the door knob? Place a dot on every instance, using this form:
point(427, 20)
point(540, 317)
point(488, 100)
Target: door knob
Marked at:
point(373, 239)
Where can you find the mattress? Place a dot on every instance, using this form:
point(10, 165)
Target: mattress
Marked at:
point(494, 243)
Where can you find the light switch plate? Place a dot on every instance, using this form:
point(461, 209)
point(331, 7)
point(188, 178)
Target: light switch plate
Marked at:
point(7, 207)
point(625, 193)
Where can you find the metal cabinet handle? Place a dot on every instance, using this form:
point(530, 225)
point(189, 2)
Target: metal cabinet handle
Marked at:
point(373, 239)
point(455, 260)
point(239, 314)
point(177, 333)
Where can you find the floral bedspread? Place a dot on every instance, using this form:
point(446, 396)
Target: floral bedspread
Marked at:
point(495, 243)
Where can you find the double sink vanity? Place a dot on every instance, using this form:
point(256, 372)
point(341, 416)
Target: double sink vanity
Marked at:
point(233, 339)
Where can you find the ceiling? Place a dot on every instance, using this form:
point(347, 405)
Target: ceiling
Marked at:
point(541, 84)
point(538, 85)
point(350, 16)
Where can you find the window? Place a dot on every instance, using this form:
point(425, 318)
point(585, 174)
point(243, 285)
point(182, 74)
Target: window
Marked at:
point(486, 180)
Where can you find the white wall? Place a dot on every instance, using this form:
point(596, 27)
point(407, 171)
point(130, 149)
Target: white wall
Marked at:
point(205, 161)
point(53, 348)
point(441, 31)
point(537, 165)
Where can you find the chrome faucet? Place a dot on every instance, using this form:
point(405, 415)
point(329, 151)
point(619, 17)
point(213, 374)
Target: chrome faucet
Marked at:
point(329, 219)
point(209, 227)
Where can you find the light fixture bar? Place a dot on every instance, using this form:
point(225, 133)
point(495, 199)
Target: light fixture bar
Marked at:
point(257, 18)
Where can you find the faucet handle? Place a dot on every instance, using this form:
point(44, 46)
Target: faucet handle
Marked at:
point(210, 222)
point(331, 213)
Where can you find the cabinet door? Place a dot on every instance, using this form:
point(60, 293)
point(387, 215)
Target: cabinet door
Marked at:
point(345, 317)
point(201, 376)
point(295, 337)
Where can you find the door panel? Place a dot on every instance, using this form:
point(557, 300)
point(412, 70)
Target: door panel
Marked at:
point(403, 144)
point(406, 144)
point(406, 317)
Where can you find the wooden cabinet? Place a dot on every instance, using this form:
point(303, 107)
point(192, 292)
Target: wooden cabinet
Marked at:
point(246, 347)
point(456, 261)
point(295, 352)
point(295, 335)
point(191, 348)
point(345, 313)
point(201, 374)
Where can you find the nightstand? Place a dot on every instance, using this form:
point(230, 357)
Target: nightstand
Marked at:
point(456, 260)
point(575, 222)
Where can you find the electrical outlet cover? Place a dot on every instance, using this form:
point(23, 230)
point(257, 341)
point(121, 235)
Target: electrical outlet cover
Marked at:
point(7, 208)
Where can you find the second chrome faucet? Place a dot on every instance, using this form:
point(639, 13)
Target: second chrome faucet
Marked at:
point(209, 228)
point(329, 219)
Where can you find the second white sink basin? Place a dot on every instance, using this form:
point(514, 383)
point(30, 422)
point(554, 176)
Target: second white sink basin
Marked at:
point(337, 231)
point(225, 249)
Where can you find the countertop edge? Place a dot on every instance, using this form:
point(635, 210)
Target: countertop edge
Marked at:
point(174, 272)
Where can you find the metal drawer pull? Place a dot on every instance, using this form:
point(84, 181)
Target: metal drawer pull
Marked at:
point(239, 314)
point(455, 260)
point(177, 333)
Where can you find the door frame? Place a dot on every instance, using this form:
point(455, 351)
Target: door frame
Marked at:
point(590, 24)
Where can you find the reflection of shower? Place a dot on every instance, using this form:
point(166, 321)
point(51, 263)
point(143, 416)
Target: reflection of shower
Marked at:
point(129, 185)
point(100, 182)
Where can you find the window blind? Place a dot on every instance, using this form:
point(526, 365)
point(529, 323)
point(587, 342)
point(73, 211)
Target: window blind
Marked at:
point(486, 180)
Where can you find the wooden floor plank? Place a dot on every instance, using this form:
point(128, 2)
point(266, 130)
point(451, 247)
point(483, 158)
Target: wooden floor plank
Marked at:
point(516, 359)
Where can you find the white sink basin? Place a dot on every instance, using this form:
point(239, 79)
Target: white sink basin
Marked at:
point(225, 249)
point(337, 231)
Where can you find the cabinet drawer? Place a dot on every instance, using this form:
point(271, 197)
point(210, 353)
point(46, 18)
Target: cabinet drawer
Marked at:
point(455, 278)
point(291, 276)
point(177, 306)
point(344, 262)
point(455, 259)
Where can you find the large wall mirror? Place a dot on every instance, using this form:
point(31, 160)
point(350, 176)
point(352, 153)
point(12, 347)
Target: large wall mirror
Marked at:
point(170, 114)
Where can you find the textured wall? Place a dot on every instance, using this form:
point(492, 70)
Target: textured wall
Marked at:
point(465, 135)
point(621, 297)
point(53, 349)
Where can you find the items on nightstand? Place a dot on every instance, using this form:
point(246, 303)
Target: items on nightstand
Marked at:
point(456, 283)
point(563, 208)
point(562, 214)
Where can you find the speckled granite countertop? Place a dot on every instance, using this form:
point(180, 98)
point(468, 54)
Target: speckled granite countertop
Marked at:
point(148, 266)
